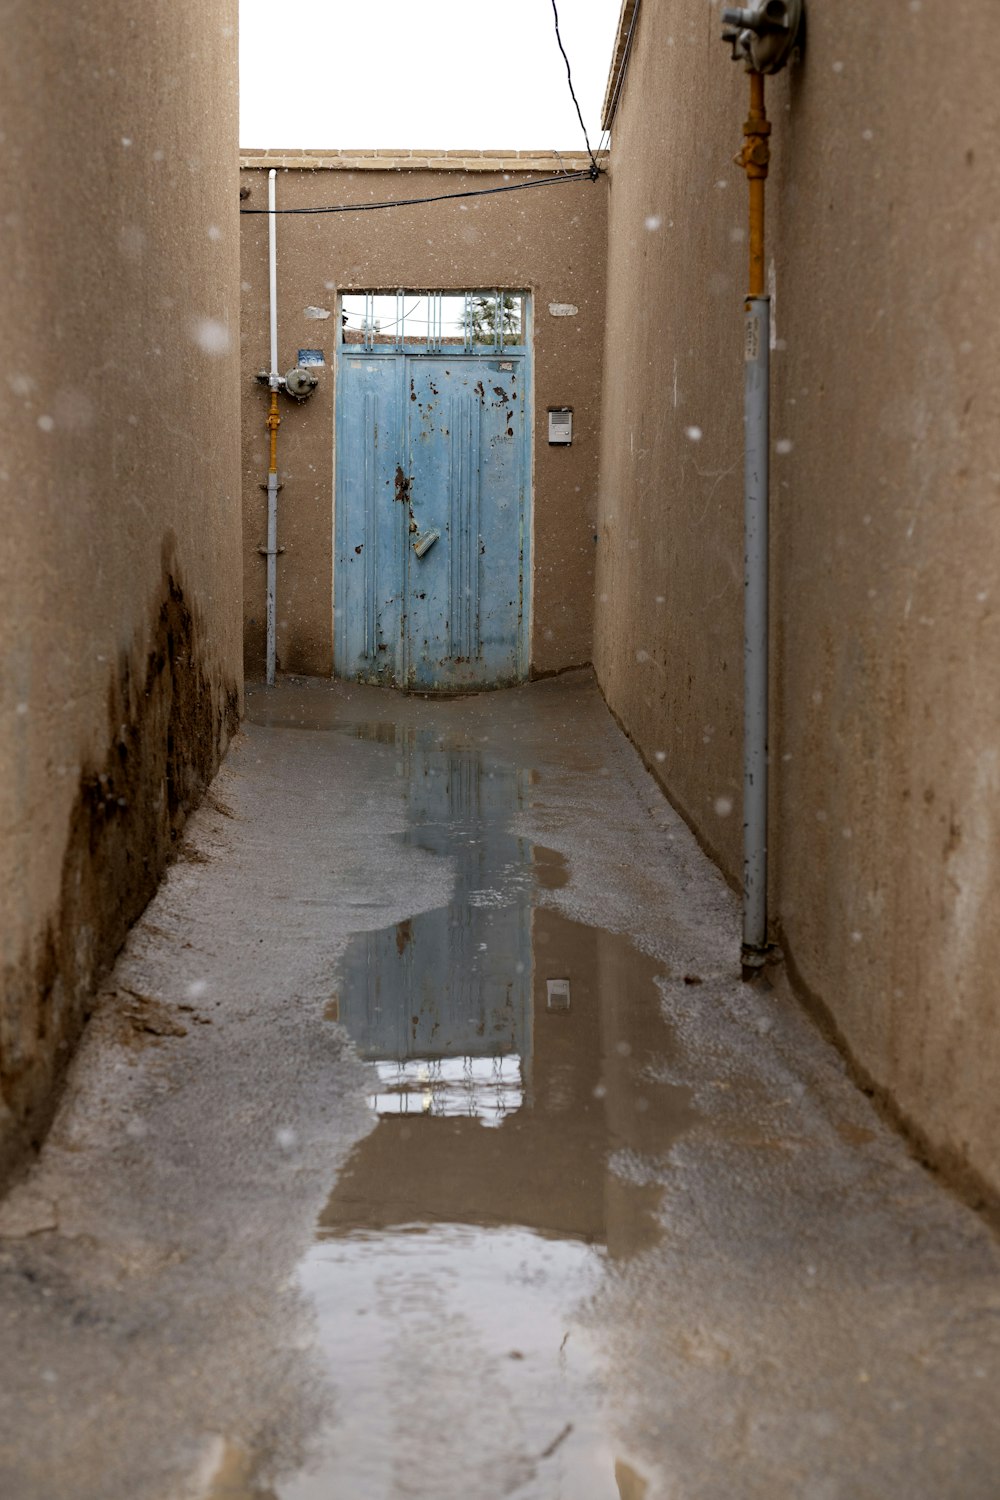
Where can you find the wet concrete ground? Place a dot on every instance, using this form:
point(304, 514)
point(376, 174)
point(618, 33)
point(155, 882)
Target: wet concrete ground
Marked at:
point(425, 1143)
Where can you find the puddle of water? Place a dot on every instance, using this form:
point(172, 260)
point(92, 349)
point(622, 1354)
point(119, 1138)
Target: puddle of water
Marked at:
point(513, 1055)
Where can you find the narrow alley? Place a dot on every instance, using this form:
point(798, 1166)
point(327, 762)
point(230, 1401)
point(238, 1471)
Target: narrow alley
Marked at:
point(500, 751)
point(425, 1142)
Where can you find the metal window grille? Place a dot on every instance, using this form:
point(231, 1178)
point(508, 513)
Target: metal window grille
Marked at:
point(470, 322)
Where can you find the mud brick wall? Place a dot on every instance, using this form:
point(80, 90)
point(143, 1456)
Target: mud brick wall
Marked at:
point(549, 242)
point(121, 579)
point(883, 255)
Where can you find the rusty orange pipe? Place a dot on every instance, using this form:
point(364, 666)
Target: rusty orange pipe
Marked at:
point(754, 159)
point(272, 424)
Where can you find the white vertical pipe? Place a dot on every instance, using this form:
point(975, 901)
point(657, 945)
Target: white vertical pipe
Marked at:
point(272, 477)
point(756, 398)
point(272, 253)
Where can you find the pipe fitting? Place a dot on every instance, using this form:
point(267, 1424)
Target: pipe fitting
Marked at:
point(764, 16)
point(764, 34)
point(755, 157)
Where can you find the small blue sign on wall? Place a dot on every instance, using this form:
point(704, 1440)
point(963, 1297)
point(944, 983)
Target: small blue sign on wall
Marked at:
point(311, 357)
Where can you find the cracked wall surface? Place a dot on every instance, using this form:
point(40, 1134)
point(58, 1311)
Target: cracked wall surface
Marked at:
point(119, 491)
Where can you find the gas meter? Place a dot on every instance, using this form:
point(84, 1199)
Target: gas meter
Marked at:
point(300, 383)
point(763, 33)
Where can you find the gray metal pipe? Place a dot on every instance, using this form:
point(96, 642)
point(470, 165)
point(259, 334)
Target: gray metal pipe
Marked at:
point(272, 478)
point(756, 421)
point(272, 570)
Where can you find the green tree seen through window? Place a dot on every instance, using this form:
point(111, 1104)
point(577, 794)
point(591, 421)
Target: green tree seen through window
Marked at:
point(485, 314)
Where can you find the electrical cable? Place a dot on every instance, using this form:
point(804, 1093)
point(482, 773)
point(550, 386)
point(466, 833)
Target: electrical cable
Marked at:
point(590, 175)
point(594, 168)
point(383, 327)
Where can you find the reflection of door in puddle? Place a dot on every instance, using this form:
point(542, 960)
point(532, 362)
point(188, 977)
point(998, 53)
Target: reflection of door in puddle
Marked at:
point(442, 1002)
point(580, 1158)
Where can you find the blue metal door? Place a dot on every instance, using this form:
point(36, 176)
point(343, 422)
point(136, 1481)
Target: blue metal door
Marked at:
point(432, 535)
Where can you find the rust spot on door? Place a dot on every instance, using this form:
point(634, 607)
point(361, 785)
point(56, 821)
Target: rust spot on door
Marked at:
point(402, 485)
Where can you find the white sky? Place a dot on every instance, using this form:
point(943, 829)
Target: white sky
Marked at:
point(441, 75)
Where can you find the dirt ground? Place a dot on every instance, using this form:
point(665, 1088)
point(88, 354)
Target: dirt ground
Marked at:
point(425, 1142)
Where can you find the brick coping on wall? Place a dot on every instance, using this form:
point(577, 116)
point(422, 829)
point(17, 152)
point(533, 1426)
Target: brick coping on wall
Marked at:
point(439, 161)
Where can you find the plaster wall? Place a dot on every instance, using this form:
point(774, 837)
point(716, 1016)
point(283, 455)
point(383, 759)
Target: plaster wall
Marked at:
point(883, 253)
point(549, 242)
point(121, 580)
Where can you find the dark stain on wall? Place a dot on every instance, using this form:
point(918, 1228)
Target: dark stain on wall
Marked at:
point(169, 719)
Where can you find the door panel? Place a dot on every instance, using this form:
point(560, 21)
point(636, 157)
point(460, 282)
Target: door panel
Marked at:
point(371, 523)
point(464, 602)
point(439, 602)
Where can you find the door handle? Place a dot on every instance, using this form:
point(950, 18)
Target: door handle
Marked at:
point(425, 541)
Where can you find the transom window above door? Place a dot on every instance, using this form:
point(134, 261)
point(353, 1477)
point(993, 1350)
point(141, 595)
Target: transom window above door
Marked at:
point(470, 322)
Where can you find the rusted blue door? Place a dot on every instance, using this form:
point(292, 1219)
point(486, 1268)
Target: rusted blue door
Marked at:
point(432, 517)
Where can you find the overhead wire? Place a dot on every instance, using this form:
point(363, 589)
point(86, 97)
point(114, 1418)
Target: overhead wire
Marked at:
point(384, 327)
point(594, 168)
point(591, 173)
point(360, 208)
